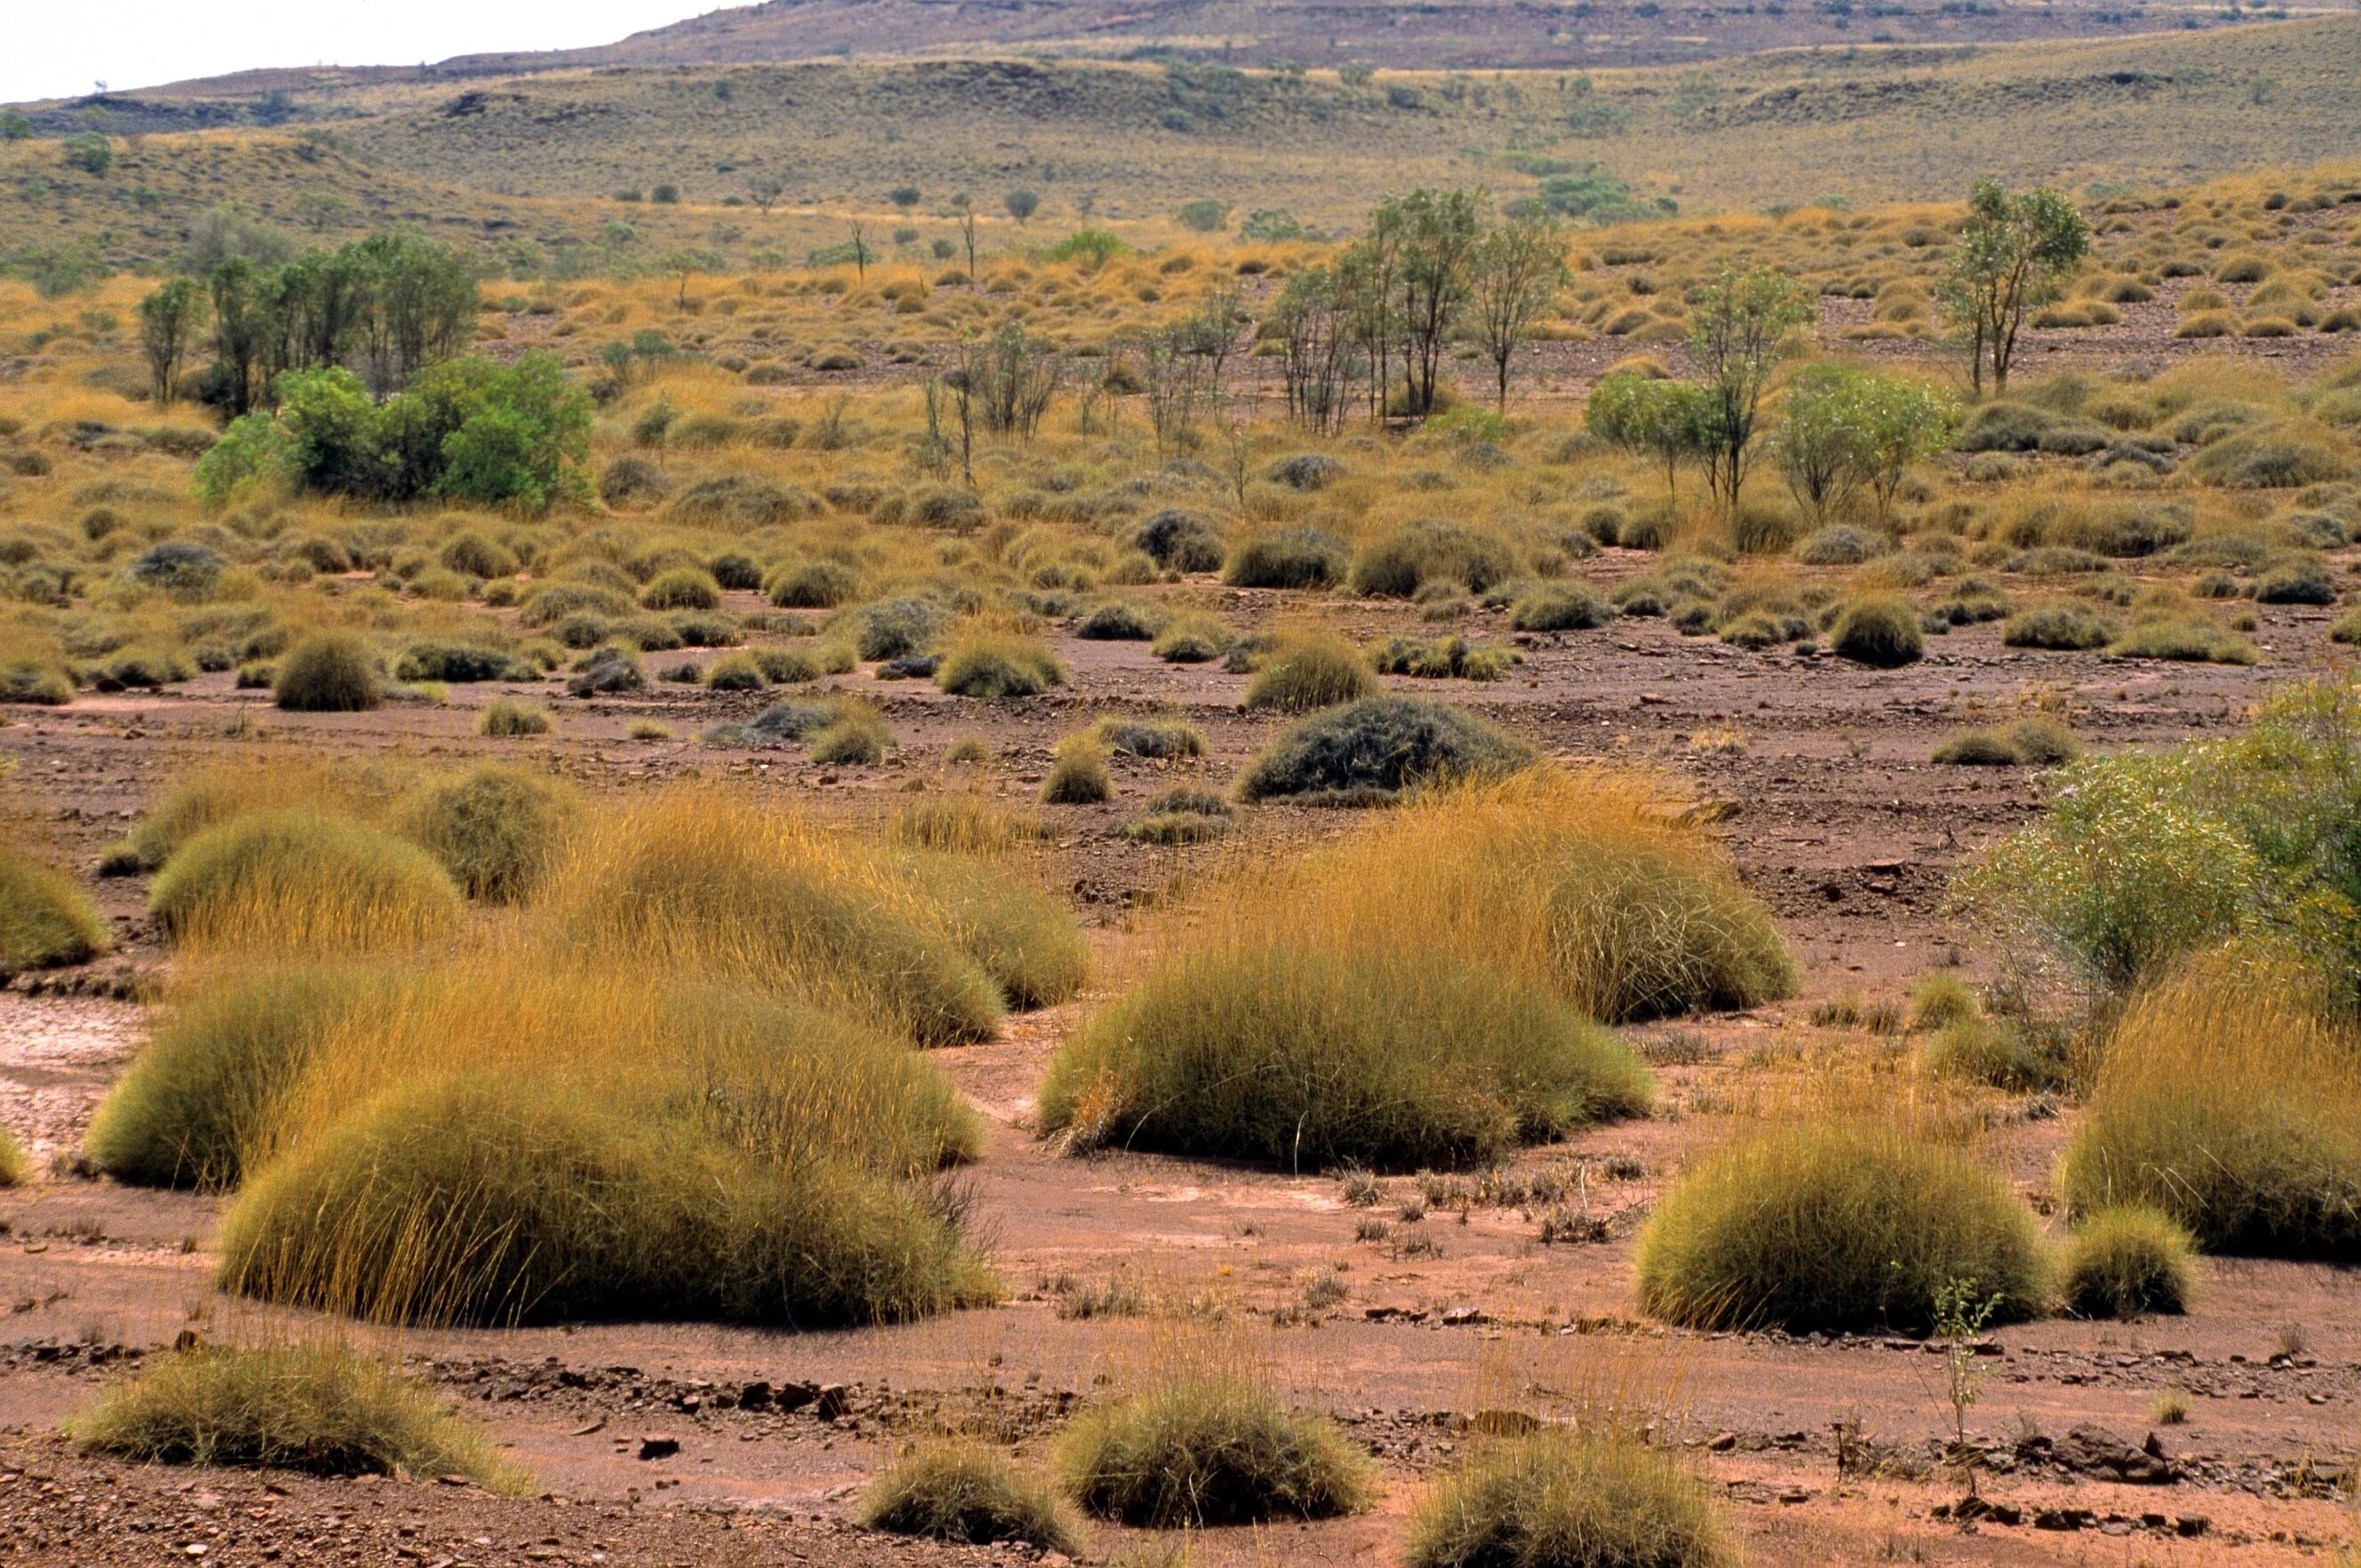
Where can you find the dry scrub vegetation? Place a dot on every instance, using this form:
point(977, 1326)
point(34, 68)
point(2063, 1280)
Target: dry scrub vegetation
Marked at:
point(485, 1045)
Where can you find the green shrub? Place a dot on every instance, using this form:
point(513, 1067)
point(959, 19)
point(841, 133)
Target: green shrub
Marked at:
point(1836, 1224)
point(330, 673)
point(496, 829)
point(1077, 773)
point(1400, 561)
point(507, 719)
point(1310, 1057)
point(1380, 745)
point(1210, 1451)
point(1881, 631)
point(2125, 1263)
point(946, 1490)
point(1569, 1499)
point(1287, 558)
point(206, 1088)
point(294, 878)
point(324, 1409)
point(45, 916)
point(1306, 672)
point(987, 665)
point(1560, 606)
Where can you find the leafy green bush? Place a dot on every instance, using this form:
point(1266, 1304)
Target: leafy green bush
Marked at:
point(329, 673)
point(1380, 745)
point(948, 1490)
point(45, 916)
point(319, 1407)
point(1210, 1451)
point(2127, 1262)
point(1569, 1499)
point(1310, 1057)
point(1835, 1224)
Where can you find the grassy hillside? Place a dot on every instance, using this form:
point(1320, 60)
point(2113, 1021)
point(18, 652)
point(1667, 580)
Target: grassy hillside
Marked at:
point(541, 159)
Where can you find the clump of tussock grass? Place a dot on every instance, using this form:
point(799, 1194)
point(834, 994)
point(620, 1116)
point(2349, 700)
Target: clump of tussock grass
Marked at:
point(700, 880)
point(1559, 1499)
point(1881, 631)
point(1310, 1055)
point(16, 1167)
point(512, 1144)
point(1192, 639)
point(997, 664)
point(210, 796)
point(2061, 624)
point(2034, 742)
point(1210, 1448)
point(213, 1076)
point(1309, 669)
point(1403, 560)
point(1561, 607)
point(1287, 558)
point(1078, 772)
point(1444, 658)
point(301, 879)
point(1023, 936)
point(1838, 1221)
point(2125, 1263)
point(1379, 746)
point(2005, 1053)
point(1156, 739)
point(330, 673)
point(495, 827)
point(2226, 1101)
point(945, 1489)
point(505, 718)
point(46, 918)
point(856, 736)
point(321, 1407)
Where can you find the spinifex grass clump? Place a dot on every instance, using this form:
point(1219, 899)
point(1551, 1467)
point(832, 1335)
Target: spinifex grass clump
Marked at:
point(212, 795)
point(698, 881)
point(495, 829)
point(1210, 1448)
point(515, 1142)
point(324, 1408)
point(1560, 1498)
point(2226, 1100)
point(304, 880)
point(1378, 747)
point(1839, 1220)
point(1307, 671)
point(2122, 1263)
point(210, 1082)
point(45, 916)
point(1310, 1053)
point(956, 1491)
point(1026, 940)
point(330, 673)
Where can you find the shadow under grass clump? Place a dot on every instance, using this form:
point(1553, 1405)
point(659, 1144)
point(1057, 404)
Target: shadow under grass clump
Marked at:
point(1570, 1499)
point(321, 1409)
point(963, 1492)
point(46, 919)
point(1210, 1451)
point(1834, 1224)
point(298, 878)
point(1379, 746)
point(1280, 1051)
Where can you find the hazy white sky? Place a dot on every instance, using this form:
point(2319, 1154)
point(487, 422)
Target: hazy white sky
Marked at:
point(55, 48)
